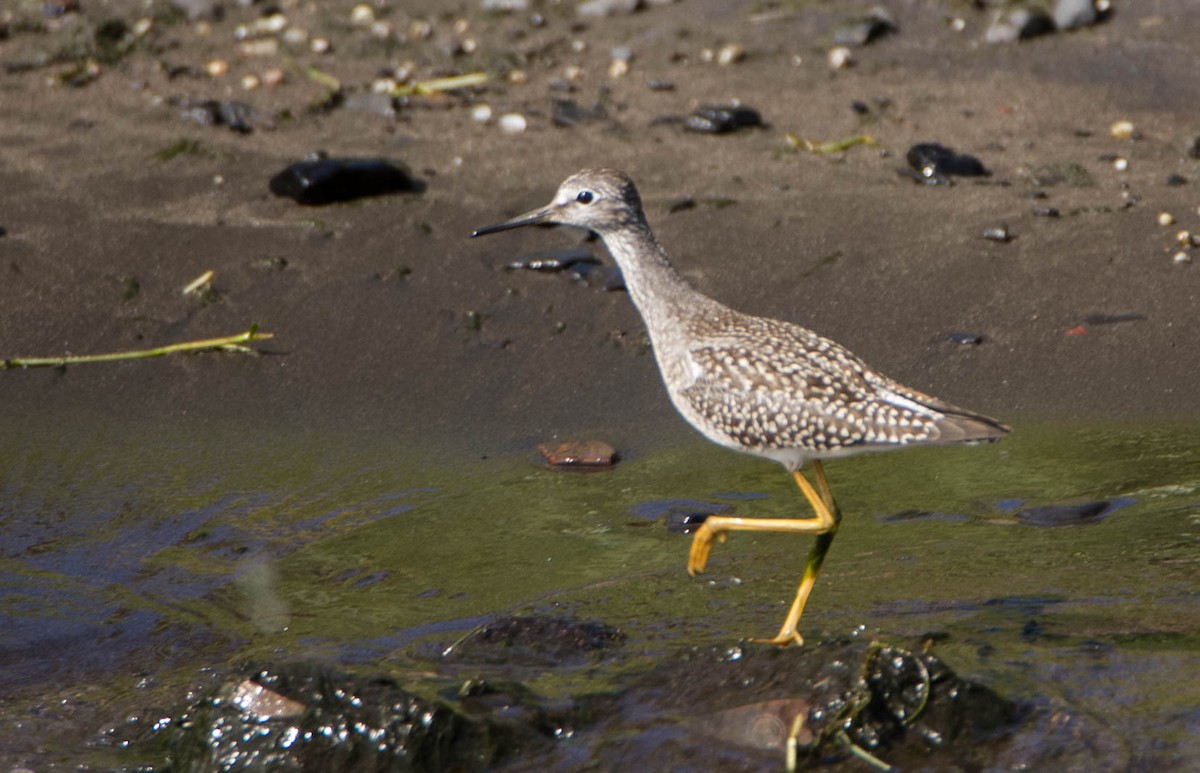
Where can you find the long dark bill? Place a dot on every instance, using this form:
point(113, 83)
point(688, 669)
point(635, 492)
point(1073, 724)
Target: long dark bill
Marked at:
point(541, 215)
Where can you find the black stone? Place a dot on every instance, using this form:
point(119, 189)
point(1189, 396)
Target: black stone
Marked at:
point(328, 180)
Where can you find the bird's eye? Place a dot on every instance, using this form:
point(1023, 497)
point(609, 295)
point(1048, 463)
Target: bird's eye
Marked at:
point(584, 197)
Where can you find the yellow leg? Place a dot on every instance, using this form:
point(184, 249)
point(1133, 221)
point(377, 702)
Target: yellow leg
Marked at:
point(825, 526)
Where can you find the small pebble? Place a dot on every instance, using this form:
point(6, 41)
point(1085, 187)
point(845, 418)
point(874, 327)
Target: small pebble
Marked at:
point(272, 76)
point(258, 47)
point(1120, 163)
point(384, 85)
point(840, 57)
point(362, 15)
point(998, 234)
point(1166, 219)
point(618, 68)
point(320, 46)
point(295, 36)
point(512, 123)
point(730, 53)
point(1046, 212)
point(481, 113)
point(1186, 239)
point(251, 82)
point(517, 77)
point(572, 72)
point(1181, 257)
point(966, 339)
point(1121, 130)
point(1176, 180)
point(216, 68)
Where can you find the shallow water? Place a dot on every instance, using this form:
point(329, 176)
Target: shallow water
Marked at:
point(137, 564)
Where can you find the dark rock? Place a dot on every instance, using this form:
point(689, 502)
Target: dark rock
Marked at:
point(307, 717)
point(1176, 180)
point(1046, 212)
point(535, 640)
point(238, 116)
point(1018, 24)
point(682, 516)
point(935, 163)
point(579, 455)
point(327, 180)
point(864, 30)
point(1079, 514)
point(966, 339)
point(1193, 150)
point(906, 706)
point(722, 119)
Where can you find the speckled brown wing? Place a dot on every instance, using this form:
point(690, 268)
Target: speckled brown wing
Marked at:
point(767, 384)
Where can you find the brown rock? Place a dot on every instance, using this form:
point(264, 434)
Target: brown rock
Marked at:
point(579, 455)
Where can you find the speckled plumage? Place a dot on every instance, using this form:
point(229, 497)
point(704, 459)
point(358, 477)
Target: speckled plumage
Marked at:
point(762, 386)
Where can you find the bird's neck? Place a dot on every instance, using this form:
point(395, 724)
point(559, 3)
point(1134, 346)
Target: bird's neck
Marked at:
point(655, 287)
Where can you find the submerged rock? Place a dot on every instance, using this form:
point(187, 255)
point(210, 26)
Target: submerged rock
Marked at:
point(1077, 514)
point(579, 455)
point(322, 180)
point(682, 516)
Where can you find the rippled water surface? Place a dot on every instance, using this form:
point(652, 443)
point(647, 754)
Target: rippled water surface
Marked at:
point(136, 563)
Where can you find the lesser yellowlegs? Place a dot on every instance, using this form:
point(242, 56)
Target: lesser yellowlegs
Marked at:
point(765, 387)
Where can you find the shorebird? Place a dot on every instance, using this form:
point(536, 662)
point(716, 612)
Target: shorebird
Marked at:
point(762, 386)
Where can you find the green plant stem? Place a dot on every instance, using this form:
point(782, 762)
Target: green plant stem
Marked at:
point(234, 343)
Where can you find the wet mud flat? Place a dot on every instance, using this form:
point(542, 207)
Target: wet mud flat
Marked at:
point(364, 494)
point(342, 600)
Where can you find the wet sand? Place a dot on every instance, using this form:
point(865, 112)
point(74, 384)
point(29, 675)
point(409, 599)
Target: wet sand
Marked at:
point(370, 313)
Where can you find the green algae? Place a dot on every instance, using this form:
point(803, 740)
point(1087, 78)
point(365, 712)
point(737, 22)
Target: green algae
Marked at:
point(361, 548)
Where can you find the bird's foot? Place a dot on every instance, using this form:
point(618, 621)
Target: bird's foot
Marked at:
point(785, 638)
point(702, 542)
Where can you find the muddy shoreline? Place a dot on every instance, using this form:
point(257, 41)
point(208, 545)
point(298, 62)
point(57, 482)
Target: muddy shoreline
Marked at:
point(371, 302)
